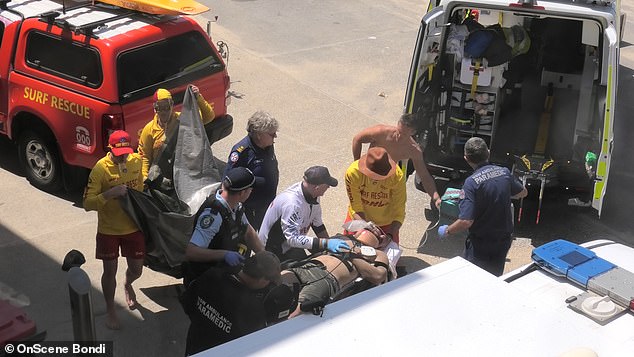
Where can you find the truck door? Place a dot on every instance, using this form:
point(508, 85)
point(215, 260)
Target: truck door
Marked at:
point(6, 43)
point(611, 46)
point(426, 52)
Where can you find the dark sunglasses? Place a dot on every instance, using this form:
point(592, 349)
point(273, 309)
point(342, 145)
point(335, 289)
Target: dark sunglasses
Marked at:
point(162, 107)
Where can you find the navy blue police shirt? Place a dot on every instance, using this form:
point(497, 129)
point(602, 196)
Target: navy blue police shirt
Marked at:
point(263, 164)
point(487, 201)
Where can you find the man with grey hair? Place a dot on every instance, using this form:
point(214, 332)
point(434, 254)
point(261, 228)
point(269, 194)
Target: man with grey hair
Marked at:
point(484, 209)
point(255, 152)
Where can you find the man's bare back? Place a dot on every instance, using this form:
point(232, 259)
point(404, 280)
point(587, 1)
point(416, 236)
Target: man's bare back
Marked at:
point(399, 144)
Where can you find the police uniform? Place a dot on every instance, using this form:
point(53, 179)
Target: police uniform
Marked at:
point(263, 164)
point(487, 201)
point(217, 227)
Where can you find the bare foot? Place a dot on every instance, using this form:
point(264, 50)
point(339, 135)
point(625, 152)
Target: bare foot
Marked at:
point(112, 321)
point(130, 296)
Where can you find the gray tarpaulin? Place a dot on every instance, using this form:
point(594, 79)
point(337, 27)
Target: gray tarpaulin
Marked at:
point(195, 174)
point(164, 213)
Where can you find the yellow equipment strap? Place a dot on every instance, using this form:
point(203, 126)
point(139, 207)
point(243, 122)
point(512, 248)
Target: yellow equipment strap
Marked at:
point(403, 165)
point(602, 167)
point(476, 74)
point(460, 121)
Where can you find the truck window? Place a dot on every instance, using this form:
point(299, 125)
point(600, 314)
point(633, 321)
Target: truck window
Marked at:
point(179, 60)
point(63, 58)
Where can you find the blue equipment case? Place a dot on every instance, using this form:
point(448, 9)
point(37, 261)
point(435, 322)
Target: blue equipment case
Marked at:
point(566, 259)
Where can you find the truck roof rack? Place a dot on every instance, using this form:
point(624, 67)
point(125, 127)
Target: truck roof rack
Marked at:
point(49, 17)
point(52, 18)
point(87, 29)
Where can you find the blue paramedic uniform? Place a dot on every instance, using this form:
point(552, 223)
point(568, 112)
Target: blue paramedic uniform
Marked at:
point(487, 201)
point(263, 164)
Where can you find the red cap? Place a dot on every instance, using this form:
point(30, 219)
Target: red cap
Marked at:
point(161, 94)
point(119, 143)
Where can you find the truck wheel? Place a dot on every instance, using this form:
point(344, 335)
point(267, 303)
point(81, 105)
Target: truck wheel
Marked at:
point(40, 161)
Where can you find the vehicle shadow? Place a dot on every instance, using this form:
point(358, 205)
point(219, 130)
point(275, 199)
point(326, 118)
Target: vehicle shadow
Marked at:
point(32, 278)
point(412, 264)
point(9, 158)
point(9, 162)
point(166, 316)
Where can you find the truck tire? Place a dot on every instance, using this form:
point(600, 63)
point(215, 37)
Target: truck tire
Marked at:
point(40, 161)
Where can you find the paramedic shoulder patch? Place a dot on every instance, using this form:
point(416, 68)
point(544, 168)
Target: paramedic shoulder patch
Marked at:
point(206, 221)
point(234, 157)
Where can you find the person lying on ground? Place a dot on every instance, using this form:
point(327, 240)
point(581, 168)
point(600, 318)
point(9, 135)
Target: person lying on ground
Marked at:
point(323, 277)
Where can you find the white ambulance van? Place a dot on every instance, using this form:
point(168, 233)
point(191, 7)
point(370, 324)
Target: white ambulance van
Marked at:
point(536, 79)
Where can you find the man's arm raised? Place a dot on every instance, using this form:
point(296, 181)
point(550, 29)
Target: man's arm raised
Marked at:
point(367, 135)
point(416, 154)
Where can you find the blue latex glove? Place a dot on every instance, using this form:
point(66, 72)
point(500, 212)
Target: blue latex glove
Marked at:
point(337, 245)
point(442, 231)
point(233, 258)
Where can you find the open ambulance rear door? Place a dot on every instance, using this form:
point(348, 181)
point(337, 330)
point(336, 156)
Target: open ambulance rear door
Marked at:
point(426, 52)
point(611, 66)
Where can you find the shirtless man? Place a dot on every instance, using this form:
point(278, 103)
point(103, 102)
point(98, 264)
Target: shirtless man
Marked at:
point(398, 142)
point(324, 276)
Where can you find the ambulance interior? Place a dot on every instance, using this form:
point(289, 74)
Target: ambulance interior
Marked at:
point(544, 97)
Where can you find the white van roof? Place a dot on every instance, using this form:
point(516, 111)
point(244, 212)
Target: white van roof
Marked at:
point(451, 309)
point(557, 8)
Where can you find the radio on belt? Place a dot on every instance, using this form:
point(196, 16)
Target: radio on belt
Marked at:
point(610, 288)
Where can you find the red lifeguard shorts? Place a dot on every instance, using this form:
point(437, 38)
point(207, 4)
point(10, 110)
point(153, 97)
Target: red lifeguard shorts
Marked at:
point(132, 246)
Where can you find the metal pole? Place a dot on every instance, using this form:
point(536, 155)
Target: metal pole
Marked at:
point(519, 214)
point(81, 305)
point(541, 196)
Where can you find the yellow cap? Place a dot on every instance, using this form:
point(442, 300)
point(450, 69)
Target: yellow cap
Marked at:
point(162, 94)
